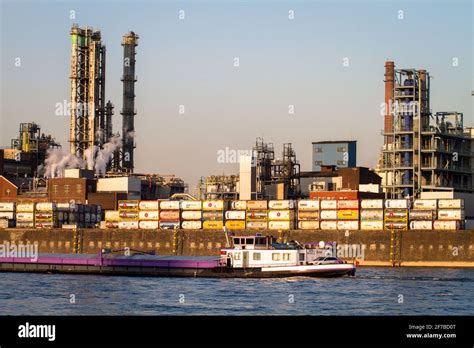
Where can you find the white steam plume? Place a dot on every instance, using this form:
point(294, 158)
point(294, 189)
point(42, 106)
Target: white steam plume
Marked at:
point(105, 154)
point(57, 160)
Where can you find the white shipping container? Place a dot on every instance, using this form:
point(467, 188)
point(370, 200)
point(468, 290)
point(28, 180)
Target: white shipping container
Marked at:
point(63, 206)
point(328, 225)
point(425, 204)
point(305, 215)
point(112, 215)
point(128, 205)
point(328, 204)
point(371, 225)
point(191, 205)
point(25, 207)
point(281, 204)
point(7, 215)
point(148, 225)
point(451, 203)
point(128, 225)
point(450, 214)
point(257, 225)
point(111, 224)
point(191, 215)
point(348, 225)
point(128, 214)
point(148, 205)
point(7, 206)
point(25, 217)
point(280, 225)
point(29, 224)
point(239, 205)
point(371, 203)
point(446, 225)
point(372, 214)
point(328, 214)
point(235, 215)
point(308, 204)
point(397, 203)
point(421, 225)
point(395, 225)
point(348, 204)
point(45, 224)
point(169, 205)
point(213, 205)
point(281, 215)
point(422, 214)
point(308, 225)
point(150, 215)
point(191, 225)
point(45, 206)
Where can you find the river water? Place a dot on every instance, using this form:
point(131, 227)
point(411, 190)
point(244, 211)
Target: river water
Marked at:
point(374, 291)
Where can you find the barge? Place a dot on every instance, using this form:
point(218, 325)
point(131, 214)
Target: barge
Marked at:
point(250, 257)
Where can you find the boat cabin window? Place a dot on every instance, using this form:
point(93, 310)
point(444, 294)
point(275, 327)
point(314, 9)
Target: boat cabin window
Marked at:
point(286, 257)
point(302, 257)
point(249, 241)
point(257, 256)
point(276, 256)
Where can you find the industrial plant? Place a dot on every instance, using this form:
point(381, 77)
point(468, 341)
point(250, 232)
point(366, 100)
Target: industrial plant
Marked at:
point(425, 156)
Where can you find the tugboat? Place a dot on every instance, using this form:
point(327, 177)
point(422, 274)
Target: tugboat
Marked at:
point(251, 257)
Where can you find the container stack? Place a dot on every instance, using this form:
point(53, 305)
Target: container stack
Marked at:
point(46, 215)
point(257, 215)
point(422, 214)
point(191, 215)
point(328, 214)
point(371, 214)
point(213, 215)
point(128, 214)
point(148, 215)
point(112, 218)
point(281, 215)
point(235, 217)
point(7, 215)
point(308, 214)
point(348, 214)
point(396, 214)
point(450, 214)
point(169, 215)
point(25, 215)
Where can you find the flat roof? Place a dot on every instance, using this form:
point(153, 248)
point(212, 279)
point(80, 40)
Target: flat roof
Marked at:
point(334, 141)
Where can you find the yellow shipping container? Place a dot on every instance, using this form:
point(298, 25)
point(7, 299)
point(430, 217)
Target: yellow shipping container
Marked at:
point(348, 214)
point(235, 224)
point(213, 225)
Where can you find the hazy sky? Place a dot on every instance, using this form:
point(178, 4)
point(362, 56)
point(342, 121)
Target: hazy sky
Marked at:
point(283, 62)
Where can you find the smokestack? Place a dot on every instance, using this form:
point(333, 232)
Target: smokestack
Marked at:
point(129, 42)
point(389, 85)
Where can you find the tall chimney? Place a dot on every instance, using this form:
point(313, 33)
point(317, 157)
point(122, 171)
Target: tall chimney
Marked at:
point(389, 85)
point(129, 42)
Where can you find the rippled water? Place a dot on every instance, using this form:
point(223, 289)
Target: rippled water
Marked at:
point(374, 291)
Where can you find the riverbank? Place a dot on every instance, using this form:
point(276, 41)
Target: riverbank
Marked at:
point(372, 248)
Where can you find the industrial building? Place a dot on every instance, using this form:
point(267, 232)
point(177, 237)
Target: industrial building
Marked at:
point(422, 151)
point(26, 152)
point(342, 154)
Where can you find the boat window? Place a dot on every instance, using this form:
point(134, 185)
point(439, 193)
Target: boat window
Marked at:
point(276, 256)
point(236, 240)
point(286, 257)
point(249, 241)
point(242, 241)
point(237, 256)
point(257, 256)
point(301, 257)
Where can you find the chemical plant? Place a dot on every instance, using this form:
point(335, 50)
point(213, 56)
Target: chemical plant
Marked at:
point(425, 156)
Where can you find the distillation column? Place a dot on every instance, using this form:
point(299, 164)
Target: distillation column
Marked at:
point(129, 43)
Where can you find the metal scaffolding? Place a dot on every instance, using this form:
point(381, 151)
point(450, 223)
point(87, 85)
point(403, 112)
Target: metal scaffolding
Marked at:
point(421, 151)
point(88, 123)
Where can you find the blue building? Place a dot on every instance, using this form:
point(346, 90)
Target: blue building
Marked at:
point(341, 154)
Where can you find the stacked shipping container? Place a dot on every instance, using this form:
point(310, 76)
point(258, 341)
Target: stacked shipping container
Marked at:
point(371, 214)
point(257, 215)
point(308, 214)
point(169, 215)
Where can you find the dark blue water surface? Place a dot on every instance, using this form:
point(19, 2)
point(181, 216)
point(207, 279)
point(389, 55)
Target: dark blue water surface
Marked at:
point(374, 291)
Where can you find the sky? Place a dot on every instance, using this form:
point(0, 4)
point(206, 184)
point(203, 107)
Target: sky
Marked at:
point(323, 59)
